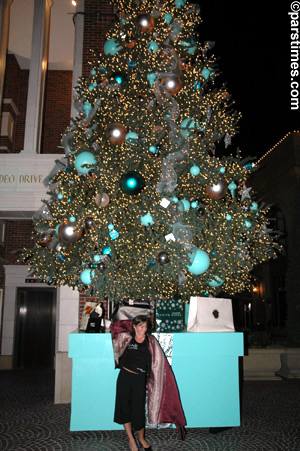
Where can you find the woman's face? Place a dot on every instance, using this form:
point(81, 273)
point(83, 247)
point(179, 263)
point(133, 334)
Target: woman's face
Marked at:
point(141, 329)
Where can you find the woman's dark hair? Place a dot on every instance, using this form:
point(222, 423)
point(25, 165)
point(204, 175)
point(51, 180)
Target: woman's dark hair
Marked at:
point(139, 319)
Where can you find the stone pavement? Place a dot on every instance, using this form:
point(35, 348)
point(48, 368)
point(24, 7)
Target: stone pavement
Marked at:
point(30, 421)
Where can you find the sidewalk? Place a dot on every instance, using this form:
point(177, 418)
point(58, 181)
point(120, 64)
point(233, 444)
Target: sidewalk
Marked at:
point(30, 421)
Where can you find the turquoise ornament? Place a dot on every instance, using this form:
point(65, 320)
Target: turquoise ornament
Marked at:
point(106, 250)
point(120, 78)
point(195, 170)
point(168, 18)
point(205, 73)
point(228, 217)
point(197, 85)
point(114, 234)
point(110, 227)
point(187, 127)
point(87, 108)
point(254, 206)
point(175, 200)
point(184, 205)
point(111, 47)
point(147, 220)
point(152, 47)
point(153, 149)
point(192, 50)
point(60, 257)
point(222, 170)
point(132, 183)
point(132, 64)
point(199, 262)
point(249, 166)
point(232, 187)
point(93, 72)
point(83, 159)
point(248, 224)
point(56, 229)
point(131, 138)
point(86, 276)
point(194, 204)
point(97, 258)
point(60, 196)
point(179, 3)
point(92, 86)
point(151, 77)
point(216, 282)
point(72, 219)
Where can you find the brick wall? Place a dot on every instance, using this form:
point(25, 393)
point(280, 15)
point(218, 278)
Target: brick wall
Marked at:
point(57, 106)
point(22, 105)
point(12, 79)
point(97, 20)
point(12, 89)
point(18, 235)
point(57, 109)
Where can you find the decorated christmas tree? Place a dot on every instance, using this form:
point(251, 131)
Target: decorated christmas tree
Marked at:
point(149, 199)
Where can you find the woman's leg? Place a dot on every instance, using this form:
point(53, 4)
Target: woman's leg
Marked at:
point(142, 440)
point(131, 439)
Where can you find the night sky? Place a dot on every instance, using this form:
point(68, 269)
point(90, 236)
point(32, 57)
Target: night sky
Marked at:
point(252, 45)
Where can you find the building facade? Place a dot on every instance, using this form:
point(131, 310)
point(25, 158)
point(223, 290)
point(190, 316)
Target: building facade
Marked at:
point(36, 107)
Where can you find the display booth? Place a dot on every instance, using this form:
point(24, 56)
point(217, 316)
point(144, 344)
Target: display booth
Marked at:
point(206, 367)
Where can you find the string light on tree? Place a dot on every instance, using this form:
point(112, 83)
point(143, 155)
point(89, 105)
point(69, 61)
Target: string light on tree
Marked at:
point(142, 204)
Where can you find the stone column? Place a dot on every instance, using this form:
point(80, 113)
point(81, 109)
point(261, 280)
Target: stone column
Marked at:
point(4, 33)
point(37, 75)
point(78, 47)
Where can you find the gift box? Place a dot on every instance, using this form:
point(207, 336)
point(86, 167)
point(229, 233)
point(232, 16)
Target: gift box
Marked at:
point(169, 315)
point(210, 315)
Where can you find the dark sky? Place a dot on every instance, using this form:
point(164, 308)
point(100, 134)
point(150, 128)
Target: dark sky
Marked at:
point(252, 44)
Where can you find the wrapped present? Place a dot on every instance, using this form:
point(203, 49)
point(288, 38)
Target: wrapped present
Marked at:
point(169, 315)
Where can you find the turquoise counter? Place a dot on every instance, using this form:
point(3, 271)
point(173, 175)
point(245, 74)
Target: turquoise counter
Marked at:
point(205, 366)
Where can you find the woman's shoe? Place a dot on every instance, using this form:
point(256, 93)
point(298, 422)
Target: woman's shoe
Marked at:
point(148, 449)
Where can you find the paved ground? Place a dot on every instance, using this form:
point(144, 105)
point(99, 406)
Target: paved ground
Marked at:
point(30, 421)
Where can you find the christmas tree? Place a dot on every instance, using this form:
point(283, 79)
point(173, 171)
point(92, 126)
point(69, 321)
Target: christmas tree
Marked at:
point(148, 200)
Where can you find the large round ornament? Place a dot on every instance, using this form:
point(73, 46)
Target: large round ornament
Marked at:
point(172, 84)
point(162, 258)
point(45, 239)
point(82, 160)
point(120, 78)
point(102, 201)
point(132, 183)
point(183, 205)
point(69, 232)
point(116, 133)
point(111, 47)
point(145, 22)
point(86, 276)
point(194, 170)
point(215, 282)
point(218, 190)
point(199, 262)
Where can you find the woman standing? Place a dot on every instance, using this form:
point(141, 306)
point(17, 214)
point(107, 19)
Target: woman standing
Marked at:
point(143, 365)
